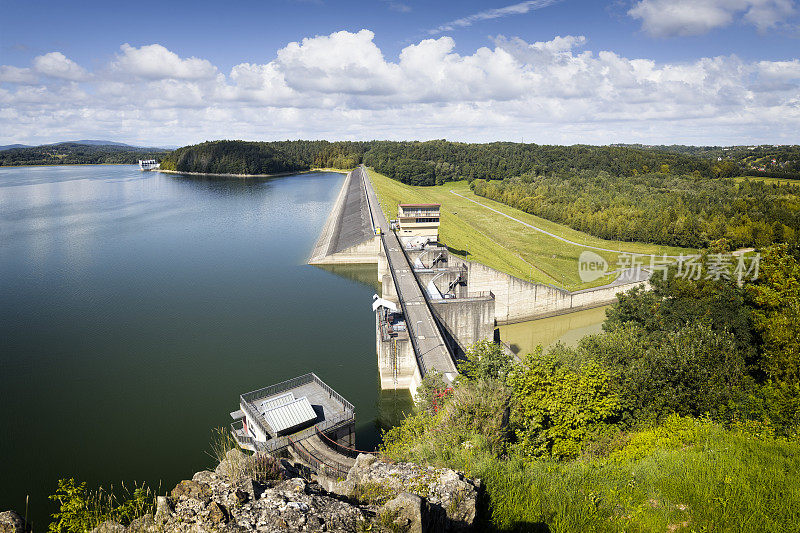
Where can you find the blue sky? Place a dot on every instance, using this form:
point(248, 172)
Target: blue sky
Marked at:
point(685, 71)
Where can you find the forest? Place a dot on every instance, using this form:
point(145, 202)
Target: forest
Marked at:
point(425, 163)
point(659, 208)
point(770, 161)
point(245, 157)
point(78, 154)
point(682, 415)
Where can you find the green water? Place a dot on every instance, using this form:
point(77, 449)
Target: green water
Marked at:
point(568, 329)
point(136, 307)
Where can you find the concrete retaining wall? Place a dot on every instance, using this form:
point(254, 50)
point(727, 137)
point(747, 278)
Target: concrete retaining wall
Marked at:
point(517, 300)
point(467, 320)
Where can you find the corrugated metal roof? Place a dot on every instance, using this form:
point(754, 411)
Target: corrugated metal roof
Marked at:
point(276, 401)
point(292, 414)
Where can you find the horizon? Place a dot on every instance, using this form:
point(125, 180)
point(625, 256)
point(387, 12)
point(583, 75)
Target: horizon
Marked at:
point(561, 72)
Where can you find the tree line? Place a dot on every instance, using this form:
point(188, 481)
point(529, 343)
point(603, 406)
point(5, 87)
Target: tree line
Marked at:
point(78, 154)
point(659, 208)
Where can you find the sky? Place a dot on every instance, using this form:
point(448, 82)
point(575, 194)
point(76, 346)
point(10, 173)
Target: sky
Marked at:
point(703, 72)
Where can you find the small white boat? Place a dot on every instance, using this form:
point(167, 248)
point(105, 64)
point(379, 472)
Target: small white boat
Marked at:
point(149, 164)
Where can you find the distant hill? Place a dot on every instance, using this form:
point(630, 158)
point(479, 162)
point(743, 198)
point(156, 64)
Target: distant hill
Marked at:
point(89, 142)
point(768, 160)
point(78, 153)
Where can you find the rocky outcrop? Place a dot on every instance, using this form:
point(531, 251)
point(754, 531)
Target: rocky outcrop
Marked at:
point(11, 522)
point(376, 496)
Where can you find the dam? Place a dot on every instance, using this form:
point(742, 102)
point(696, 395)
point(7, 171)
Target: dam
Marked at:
point(433, 305)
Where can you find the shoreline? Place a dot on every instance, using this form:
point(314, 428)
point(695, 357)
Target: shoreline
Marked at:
point(275, 175)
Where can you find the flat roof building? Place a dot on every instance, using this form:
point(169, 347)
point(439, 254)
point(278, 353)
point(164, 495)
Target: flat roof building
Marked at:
point(296, 409)
point(418, 223)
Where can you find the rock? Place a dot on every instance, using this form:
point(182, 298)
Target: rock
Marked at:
point(11, 522)
point(447, 491)
point(420, 498)
point(411, 511)
point(145, 524)
point(163, 510)
point(241, 496)
point(205, 476)
point(234, 465)
point(193, 490)
point(217, 513)
point(109, 526)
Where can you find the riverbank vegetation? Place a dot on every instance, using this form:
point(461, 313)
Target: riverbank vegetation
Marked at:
point(78, 154)
point(472, 231)
point(683, 415)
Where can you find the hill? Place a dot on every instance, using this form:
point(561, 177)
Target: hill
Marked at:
point(78, 153)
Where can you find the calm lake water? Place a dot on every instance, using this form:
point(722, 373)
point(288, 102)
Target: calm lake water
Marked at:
point(136, 307)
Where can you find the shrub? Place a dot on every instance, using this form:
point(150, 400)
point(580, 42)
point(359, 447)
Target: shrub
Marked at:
point(555, 408)
point(81, 510)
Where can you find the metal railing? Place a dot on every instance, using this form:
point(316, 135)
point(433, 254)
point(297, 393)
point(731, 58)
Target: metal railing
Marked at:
point(436, 323)
point(280, 443)
point(341, 449)
point(240, 435)
point(417, 352)
point(424, 214)
point(334, 471)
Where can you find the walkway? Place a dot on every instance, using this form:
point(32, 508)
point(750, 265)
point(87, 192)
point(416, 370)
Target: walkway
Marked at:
point(429, 346)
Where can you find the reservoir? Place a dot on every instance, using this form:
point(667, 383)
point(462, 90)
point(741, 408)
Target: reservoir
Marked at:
point(136, 306)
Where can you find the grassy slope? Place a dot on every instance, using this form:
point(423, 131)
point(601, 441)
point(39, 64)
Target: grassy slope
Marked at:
point(730, 483)
point(690, 476)
point(504, 244)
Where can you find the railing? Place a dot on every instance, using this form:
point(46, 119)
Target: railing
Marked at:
point(347, 451)
point(436, 323)
point(241, 437)
point(277, 444)
point(417, 353)
point(424, 214)
point(335, 471)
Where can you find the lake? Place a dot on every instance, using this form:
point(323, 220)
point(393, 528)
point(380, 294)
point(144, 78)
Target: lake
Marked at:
point(136, 306)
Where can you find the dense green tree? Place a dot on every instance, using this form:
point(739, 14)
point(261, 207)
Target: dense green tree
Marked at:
point(776, 296)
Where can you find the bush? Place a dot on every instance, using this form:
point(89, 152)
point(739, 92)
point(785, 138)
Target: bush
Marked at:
point(81, 510)
point(556, 408)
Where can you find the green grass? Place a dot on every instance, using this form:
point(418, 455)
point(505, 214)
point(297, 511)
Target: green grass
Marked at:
point(728, 483)
point(503, 244)
point(706, 478)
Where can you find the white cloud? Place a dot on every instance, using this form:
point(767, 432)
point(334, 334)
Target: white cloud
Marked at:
point(489, 14)
point(156, 62)
point(11, 74)
point(57, 65)
point(665, 18)
point(342, 86)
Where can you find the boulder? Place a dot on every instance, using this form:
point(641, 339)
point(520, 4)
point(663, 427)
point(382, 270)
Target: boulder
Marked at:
point(11, 522)
point(164, 510)
point(187, 489)
point(408, 511)
point(109, 526)
point(217, 513)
